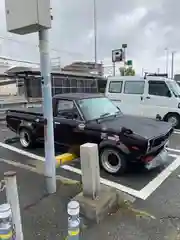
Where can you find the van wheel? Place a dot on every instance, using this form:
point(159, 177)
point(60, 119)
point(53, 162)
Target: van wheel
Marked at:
point(26, 139)
point(112, 161)
point(174, 119)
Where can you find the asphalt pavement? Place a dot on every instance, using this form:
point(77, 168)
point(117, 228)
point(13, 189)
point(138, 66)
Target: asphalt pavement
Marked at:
point(43, 216)
point(154, 215)
point(133, 182)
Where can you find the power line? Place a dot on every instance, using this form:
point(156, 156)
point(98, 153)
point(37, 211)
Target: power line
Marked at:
point(35, 45)
point(17, 60)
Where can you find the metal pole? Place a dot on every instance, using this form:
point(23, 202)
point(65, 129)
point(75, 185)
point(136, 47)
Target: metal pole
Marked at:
point(124, 50)
point(95, 31)
point(124, 59)
point(142, 72)
point(73, 220)
point(114, 69)
point(13, 200)
point(172, 66)
point(50, 165)
point(167, 60)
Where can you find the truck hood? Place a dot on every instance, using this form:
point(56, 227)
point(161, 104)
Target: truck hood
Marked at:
point(144, 127)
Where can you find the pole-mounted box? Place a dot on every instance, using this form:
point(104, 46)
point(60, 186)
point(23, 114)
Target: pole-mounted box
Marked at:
point(27, 16)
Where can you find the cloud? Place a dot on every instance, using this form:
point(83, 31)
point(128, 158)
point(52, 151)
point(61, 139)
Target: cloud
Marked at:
point(148, 27)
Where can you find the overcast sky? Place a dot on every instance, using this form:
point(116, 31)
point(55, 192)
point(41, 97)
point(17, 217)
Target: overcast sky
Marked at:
point(148, 27)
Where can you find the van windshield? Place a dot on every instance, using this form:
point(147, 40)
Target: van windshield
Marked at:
point(174, 87)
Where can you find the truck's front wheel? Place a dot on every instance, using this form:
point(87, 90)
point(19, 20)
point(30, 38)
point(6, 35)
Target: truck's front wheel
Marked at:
point(112, 161)
point(26, 139)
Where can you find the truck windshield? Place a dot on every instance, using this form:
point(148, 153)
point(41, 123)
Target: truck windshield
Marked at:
point(96, 108)
point(174, 87)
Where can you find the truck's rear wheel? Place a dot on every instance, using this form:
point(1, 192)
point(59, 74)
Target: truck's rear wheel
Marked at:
point(26, 139)
point(112, 161)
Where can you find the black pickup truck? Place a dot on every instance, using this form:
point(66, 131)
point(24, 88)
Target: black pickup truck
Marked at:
point(80, 118)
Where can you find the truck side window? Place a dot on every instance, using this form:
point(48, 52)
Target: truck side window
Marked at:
point(67, 109)
point(134, 87)
point(158, 88)
point(115, 86)
point(64, 105)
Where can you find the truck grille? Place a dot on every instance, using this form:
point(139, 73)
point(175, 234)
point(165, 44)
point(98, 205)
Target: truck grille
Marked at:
point(159, 140)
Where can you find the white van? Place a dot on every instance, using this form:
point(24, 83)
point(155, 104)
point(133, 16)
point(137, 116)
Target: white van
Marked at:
point(146, 97)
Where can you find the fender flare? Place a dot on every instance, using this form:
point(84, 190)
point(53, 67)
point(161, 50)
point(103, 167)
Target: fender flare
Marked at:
point(26, 125)
point(119, 145)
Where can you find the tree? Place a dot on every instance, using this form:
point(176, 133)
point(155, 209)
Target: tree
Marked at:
point(127, 71)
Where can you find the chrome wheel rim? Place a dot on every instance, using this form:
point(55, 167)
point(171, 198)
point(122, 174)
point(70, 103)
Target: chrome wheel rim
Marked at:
point(110, 160)
point(24, 139)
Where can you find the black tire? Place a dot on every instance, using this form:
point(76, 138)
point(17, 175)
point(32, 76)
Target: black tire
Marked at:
point(26, 138)
point(173, 118)
point(112, 161)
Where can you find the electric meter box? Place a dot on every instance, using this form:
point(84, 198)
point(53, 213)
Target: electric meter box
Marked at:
point(27, 16)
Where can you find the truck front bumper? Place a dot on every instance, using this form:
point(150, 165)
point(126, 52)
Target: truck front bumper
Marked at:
point(161, 159)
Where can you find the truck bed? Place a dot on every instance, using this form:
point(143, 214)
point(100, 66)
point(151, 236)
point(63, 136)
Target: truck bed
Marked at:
point(31, 110)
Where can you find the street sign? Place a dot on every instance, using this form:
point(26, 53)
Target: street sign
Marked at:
point(129, 63)
point(117, 55)
point(124, 45)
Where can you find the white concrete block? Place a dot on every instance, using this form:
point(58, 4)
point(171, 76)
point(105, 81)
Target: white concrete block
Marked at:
point(90, 169)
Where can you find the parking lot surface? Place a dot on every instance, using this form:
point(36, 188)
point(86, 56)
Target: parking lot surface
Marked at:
point(138, 182)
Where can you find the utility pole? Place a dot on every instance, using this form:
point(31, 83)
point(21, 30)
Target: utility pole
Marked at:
point(50, 165)
point(172, 65)
point(124, 47)
point(114, 69)
point(41, 21)
point(95, 31)
point(167, 60)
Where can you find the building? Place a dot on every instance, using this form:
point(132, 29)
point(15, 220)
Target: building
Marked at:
point(85, 67)
point(177, 77)
point(29, 81)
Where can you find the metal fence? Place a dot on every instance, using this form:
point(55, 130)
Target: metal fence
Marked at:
point(73, 85)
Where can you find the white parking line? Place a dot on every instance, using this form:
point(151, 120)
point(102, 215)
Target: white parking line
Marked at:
point(173, 155)
point(72, 169)
point(142, 194)
point(22, 152)
point(156, 182)
point(176, 132)
point(173, 150)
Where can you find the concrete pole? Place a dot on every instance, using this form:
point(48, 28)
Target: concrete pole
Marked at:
point(124, 57)
point(172, 65)
point(13, 200)
point(50, 165)
point(95, 31)
point(167, 60)
point(114, 69)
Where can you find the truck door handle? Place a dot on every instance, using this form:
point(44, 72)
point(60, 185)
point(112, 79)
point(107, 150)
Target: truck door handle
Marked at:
point(148, 97)
point(141, 98)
